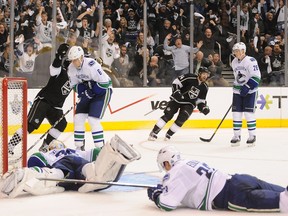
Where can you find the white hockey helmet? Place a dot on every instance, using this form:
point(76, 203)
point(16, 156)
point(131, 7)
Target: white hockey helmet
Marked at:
point(56, 144)
point(239, 46)
point(169, 154)
point(75, 52)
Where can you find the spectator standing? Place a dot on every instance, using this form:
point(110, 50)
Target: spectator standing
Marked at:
point(43, 28)
point(180, 54)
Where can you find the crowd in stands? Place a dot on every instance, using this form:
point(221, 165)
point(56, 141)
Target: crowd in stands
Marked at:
point(168, 30)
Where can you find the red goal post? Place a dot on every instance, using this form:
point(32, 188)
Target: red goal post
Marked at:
point(13, 116)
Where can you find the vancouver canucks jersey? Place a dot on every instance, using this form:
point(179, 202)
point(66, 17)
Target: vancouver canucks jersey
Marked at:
point(193, 184)
point(244, 70)
point(90, 71)
point(51, 157)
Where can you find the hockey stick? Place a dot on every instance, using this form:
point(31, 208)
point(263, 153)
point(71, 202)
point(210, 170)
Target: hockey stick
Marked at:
point(41, 137)
point(54, 125)
point(151, 111)
point(75, 181)
point(208, 140)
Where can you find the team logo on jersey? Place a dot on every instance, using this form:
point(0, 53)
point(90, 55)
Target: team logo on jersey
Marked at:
point(109, 52)
point(16, 105)
point(240, 78)
point(193, 92)
point(66, 88)
point(29, 64)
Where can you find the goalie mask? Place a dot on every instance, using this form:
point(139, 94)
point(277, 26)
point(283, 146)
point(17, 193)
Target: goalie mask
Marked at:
point(56, 144)
point(169, 154)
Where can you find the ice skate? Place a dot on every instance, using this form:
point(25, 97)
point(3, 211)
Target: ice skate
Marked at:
point(152, 136)
point(251, 141)
point(167, 137)
point(235, 141)
point(81, 148)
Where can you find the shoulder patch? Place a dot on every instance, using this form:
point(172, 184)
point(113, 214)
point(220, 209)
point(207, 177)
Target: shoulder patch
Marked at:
point(252, 59)
point(166, 177)
point(92, 62)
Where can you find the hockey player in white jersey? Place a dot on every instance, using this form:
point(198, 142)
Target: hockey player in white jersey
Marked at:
point(193, 184)
point(94, 89)
point(101, 165)
point(245, 87)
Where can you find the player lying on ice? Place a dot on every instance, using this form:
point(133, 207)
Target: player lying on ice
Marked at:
point(195, 185)
point(98, 164)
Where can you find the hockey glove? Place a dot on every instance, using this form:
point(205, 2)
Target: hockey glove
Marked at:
point(177, 96)
point(62, 50)
point(87, 94)
point(89, 84)
point(205, 110)
point(154, 193)
point(244, 90)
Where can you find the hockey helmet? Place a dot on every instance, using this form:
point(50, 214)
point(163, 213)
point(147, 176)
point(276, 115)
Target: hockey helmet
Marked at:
point(75, 52)
point(56, 144)
point(169, 154)
point(239, 46)
point(203, 70)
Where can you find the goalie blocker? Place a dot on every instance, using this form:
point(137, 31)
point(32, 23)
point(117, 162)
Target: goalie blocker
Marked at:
point(108, 166)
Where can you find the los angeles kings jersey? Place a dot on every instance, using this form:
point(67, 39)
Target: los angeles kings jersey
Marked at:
point(57, 89)
point(194, 92)
point(193, 184)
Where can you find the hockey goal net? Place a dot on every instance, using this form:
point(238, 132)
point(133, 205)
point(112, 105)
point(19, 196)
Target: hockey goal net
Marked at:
point(13, 116)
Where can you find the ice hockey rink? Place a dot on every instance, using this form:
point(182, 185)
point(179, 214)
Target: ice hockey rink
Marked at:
point(268, 160)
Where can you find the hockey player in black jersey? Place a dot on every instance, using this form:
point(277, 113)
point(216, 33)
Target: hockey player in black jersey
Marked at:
point(48, 102)
point(188, 91)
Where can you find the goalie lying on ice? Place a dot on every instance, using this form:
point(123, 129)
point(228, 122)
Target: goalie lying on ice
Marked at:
point(102, 165)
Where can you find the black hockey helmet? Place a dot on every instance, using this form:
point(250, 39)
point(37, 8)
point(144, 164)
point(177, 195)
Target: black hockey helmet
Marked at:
point(203, 70)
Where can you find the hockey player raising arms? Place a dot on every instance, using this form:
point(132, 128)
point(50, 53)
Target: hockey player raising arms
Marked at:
point(188, 91)
point(195, 185)
point(48, 102)
point(245, 87)
point(94, 88)
point(101, 165)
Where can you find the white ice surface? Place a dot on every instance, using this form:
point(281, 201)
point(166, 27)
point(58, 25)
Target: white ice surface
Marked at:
point(268, 160)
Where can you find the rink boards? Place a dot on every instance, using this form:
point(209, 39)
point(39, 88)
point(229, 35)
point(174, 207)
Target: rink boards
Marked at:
point(140, 108)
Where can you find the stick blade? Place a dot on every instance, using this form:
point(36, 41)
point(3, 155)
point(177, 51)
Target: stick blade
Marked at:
point(205, 140)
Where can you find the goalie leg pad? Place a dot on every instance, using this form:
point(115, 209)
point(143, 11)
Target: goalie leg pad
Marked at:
point(109, 164)
point(126, 152)
point(23, 180)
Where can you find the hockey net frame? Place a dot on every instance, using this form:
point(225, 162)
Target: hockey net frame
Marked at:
point(15, 87)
